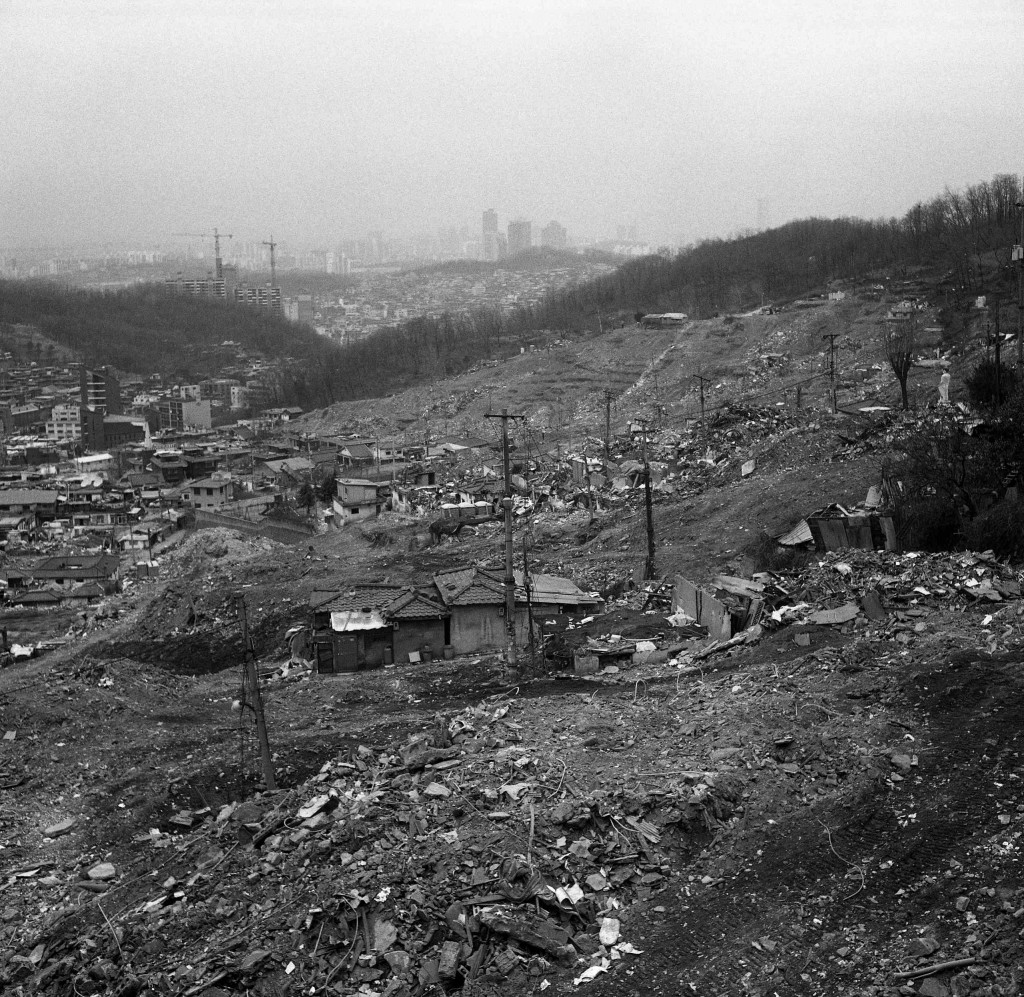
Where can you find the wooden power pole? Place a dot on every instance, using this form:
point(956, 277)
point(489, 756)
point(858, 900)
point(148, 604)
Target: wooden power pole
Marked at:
point(702, 381)
point(510, 578)
point(607, 422)
point(831, 337)
point(1018, 256)
point(252, 682)
point(649, 506)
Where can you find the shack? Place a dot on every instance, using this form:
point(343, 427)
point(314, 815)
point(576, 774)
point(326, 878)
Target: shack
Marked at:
point(836, 528)
point(349, 633)
point(369, 626)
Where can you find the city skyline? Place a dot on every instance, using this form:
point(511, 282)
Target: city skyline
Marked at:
point(132, 121)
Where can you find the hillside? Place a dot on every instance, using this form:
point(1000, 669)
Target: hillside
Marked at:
point(820, 809)
point(147, 330)
point(962, 237)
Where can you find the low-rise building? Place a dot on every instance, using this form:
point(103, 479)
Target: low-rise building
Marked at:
point(357, 499)
point(70, 570)
point(210, 493)
point(98, 463)
point(185, 413)
point(40, 503)
point(65, 423)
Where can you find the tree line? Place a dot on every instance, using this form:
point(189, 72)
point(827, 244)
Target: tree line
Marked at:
point(145, 329)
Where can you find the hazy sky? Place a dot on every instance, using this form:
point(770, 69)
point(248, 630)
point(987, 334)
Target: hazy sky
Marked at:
point(132, 120)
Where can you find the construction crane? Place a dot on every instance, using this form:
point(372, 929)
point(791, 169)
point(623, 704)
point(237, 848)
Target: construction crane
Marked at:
point(273, 246)
point(217, 236)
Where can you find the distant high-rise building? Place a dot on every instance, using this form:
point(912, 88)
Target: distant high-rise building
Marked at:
point(300, 309)
point(264, 297)
point(553, 236)
point(520, 236)
point(626, 233)
point(209, 287)
point(490, 235)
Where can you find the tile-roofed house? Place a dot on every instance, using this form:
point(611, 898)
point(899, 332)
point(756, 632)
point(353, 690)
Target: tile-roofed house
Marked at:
point(286, 471)
point(464, 586)
point(476, 599)
point(355, 452)
point(69, 569)
point(368, 625)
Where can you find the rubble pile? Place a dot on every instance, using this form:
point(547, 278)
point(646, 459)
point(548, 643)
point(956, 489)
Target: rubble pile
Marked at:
point(222, 547)
point(854, 587)
point(461, 858)
point(903, 579)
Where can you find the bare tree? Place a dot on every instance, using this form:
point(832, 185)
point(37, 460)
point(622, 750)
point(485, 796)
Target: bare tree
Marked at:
point(899, 337)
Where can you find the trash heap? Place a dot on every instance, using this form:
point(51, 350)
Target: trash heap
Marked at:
point(461, 859)
point(901, 579)
point(848, 588)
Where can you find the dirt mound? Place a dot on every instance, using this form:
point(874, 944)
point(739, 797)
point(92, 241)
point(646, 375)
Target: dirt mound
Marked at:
point(217, 549)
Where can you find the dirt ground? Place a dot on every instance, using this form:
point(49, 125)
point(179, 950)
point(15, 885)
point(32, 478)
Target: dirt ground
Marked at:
point(874, 807)
point(838, 815)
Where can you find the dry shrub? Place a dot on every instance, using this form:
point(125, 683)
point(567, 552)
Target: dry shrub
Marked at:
point(767, 554)
point(999, 529)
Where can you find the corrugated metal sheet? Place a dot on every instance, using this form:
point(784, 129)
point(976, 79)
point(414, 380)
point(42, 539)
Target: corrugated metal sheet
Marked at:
point(800, 534)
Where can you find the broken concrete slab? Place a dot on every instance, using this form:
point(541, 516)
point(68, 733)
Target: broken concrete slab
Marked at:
point(827, 617)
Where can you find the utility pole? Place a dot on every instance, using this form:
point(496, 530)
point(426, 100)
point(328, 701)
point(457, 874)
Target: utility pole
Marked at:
point(831, 337)
point(648, 505)
point(273, 271)
point(252, 682)
point(994, 309)
point(529, 602)
point(1018, 255)
point(510, 578)
point(703, 380)
point(607, 422)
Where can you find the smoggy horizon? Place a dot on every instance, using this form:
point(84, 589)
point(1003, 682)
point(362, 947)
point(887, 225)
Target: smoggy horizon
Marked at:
point(130, 122)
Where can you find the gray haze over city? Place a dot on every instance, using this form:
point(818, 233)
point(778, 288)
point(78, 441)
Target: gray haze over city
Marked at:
point(128, 121)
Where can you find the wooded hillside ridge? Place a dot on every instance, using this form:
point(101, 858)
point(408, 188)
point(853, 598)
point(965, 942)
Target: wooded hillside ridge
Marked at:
point(967, 234)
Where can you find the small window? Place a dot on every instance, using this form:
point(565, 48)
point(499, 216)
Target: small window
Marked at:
point(355, 510)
